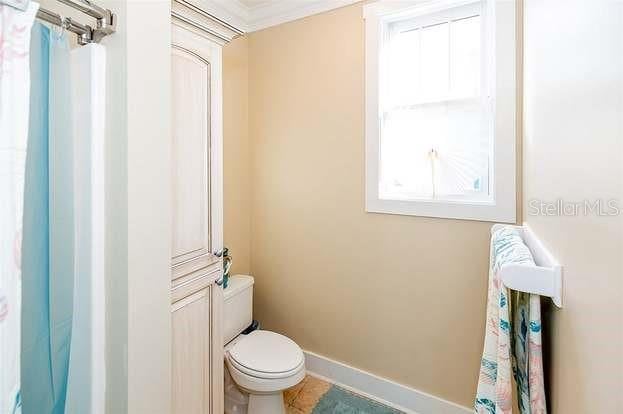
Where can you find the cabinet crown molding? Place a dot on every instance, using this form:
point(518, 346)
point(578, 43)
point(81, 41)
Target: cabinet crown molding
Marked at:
point(252, 15)
point(187, 15)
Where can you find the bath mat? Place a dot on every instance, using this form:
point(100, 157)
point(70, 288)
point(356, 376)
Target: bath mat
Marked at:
point(340, 401)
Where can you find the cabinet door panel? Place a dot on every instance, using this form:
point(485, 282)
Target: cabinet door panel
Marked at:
point(191, 354)
point(190, 155)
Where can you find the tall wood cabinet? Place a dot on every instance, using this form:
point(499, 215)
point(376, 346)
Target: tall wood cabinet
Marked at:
point(197, 216)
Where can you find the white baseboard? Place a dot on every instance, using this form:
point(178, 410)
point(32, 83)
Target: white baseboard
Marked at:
point(380, 389)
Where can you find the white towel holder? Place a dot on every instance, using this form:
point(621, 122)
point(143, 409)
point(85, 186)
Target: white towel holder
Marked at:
point(544, 279)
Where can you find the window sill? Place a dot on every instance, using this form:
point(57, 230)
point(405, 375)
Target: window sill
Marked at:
point(460, 210)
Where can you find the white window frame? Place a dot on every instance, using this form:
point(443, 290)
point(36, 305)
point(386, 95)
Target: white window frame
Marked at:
point(500, 15)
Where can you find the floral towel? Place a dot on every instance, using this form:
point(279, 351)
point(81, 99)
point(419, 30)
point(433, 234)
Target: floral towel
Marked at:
point(494, 394)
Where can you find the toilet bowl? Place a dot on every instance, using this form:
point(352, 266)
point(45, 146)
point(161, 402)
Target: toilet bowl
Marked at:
point(262, 363)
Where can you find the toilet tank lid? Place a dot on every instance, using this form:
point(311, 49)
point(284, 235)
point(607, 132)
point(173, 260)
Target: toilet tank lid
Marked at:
point(237, 284)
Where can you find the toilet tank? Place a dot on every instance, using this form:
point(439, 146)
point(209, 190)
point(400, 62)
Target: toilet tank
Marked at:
point(238, 306)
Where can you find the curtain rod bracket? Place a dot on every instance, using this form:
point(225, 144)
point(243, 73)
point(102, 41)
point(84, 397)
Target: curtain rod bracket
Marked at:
point(106, 25)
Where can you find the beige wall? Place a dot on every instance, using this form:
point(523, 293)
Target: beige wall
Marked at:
point(237, 154)
point(402, 297)
point(573, 150)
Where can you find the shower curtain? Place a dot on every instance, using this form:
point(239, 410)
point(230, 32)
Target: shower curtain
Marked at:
point(14, 103)
point(52, 219)
point(63, 324)
point(48, 235)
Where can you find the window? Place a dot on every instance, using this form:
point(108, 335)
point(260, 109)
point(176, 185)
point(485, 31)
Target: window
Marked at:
point(440, 109)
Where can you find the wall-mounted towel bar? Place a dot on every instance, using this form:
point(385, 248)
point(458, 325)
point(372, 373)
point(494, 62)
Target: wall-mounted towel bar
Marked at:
point(543, 279)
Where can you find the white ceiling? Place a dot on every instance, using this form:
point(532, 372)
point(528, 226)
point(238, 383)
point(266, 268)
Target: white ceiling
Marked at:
point(254, 3)
point(252, 15)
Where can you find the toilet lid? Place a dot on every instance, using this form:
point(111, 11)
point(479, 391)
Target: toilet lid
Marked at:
point(267, 352)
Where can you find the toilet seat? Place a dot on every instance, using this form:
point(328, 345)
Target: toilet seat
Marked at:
point(265, 362)
point(259, 385)
point(265, 375)
point(266, 355)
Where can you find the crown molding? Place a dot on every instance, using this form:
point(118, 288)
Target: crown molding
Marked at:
point(282, 11)
point(232, 12)
point(249, 19)
point(193, 17)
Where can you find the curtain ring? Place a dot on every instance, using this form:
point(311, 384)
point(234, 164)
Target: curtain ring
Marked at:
point(62, 26)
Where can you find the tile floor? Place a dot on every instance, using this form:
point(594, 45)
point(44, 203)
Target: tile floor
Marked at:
point(315, 396)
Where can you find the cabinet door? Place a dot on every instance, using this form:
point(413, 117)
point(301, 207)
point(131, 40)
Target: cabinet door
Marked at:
point(197, 347)
point(191, 241)
point(196, 150)
point(191, 354)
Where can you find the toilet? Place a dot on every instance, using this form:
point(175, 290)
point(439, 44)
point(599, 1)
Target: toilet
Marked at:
point(261, 364)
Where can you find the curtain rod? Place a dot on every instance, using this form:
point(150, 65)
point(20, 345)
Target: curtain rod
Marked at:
point(106, 21)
